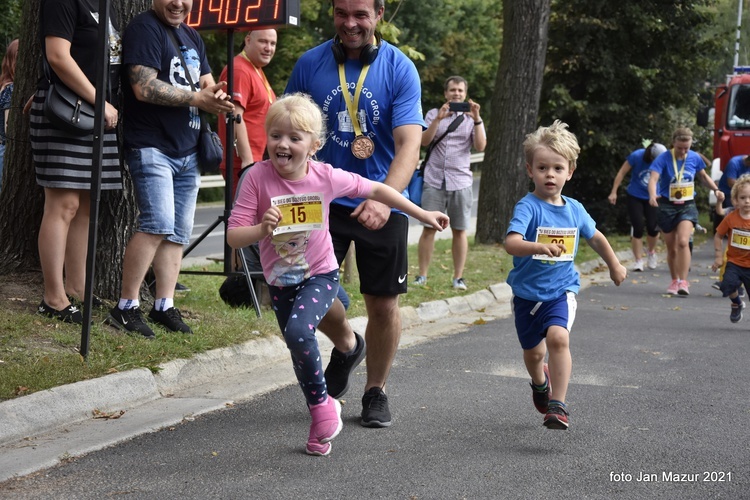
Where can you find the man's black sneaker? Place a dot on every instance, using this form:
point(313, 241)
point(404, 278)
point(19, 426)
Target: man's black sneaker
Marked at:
point(180, 288)
point(130, 321)
point(70, 314)
point(171, 319)
point(375, 411)
point(341, 367)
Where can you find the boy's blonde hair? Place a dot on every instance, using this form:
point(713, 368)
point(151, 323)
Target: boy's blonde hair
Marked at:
point(682, 134)
point(742, 181)
point(303, 114)
point(556, 137)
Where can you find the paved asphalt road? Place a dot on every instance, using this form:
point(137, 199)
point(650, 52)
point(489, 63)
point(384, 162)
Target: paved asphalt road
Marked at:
point(657, 392)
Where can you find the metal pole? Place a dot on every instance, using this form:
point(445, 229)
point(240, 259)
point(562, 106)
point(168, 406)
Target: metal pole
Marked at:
point(737, 38)
point(102, 74)
point(229, 153)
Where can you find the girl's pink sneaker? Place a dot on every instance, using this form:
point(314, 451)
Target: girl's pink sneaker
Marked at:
point(326, 420)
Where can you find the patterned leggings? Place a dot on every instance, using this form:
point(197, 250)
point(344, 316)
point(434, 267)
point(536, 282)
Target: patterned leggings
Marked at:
point(299, 309)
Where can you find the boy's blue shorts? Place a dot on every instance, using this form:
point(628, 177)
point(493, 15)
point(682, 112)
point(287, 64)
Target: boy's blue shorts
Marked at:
point(534, 318)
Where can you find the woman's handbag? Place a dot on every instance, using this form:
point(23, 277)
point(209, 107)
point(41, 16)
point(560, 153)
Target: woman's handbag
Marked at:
point(210, 149)
point(66, 110)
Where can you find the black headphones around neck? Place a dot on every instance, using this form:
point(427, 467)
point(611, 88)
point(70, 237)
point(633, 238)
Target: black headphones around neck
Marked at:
point(366, 56)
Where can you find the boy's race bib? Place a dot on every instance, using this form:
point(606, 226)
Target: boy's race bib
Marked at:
point(563, 235)
point(299, 212)
point(681, 191)
point(740, 239)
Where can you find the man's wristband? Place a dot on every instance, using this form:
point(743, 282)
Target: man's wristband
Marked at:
point(478, 123)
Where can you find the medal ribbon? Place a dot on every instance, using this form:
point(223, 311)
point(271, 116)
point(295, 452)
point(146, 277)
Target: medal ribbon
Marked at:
point(262, 75)
point(678, 175)
point(352, 102)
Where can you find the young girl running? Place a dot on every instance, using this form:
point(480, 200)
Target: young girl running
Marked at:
point(283, 204)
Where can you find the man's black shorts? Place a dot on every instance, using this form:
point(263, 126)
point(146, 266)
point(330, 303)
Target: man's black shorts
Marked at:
point(382, 260)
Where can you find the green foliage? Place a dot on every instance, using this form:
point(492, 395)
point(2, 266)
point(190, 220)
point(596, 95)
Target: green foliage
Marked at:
point(620, 72)
point(10, 22)
point(723, 32)
point(462, 38)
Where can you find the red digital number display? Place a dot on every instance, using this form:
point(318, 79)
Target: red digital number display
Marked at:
point(239, 14)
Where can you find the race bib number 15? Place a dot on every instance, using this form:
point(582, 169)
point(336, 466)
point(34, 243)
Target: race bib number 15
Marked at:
point(565, 236)
point(302, 212)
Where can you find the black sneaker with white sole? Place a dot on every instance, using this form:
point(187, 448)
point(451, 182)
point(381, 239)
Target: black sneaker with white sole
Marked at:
point(171, 319)
point(130, 321)
point(341, 366)
point(375, 412)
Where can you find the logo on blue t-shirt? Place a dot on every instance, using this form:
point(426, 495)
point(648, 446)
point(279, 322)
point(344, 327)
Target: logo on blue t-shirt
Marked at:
point(178, 79)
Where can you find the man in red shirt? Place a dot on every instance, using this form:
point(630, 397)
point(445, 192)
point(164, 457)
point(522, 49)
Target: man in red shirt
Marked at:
point(252, 95)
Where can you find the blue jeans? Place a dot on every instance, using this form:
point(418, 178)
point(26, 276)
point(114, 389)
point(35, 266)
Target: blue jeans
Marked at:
point(166, 190)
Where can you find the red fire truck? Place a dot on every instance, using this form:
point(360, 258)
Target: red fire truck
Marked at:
point(731, 121)
point(731, 109)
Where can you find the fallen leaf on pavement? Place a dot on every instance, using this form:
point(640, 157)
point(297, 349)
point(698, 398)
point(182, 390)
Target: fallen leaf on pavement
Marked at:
point(108, 415)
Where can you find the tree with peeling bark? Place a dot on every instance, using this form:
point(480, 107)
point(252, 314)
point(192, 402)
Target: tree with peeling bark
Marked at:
point(22, 200)
point(515, 107)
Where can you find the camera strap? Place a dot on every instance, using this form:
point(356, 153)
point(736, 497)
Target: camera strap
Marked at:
point(458, 120)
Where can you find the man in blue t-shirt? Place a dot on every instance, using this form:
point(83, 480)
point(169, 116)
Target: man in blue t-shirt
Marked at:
point(370, 95)
point(161, 128)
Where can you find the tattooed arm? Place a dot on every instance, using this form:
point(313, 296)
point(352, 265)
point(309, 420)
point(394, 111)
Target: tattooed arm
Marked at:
point(148, 88)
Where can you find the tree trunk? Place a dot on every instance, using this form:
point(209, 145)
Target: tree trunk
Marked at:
point(515, 106)
point(22, 200)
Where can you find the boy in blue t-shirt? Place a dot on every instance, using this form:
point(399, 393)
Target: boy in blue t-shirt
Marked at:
point(543, 238)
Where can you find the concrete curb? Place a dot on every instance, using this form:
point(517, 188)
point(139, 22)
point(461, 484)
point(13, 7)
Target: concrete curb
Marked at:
point(206, 367)
point(47, 410)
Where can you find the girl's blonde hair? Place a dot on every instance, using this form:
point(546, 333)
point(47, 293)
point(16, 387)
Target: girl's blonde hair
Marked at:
point(303, 114)
point(741, 182)
point(556, 137)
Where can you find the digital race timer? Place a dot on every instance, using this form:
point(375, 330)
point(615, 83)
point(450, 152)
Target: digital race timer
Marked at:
point(242, 14)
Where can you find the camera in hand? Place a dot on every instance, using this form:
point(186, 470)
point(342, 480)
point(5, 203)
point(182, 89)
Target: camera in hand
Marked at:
point(459, 106)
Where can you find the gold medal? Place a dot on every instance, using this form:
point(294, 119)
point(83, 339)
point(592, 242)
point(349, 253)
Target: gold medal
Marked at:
point(362, 147)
